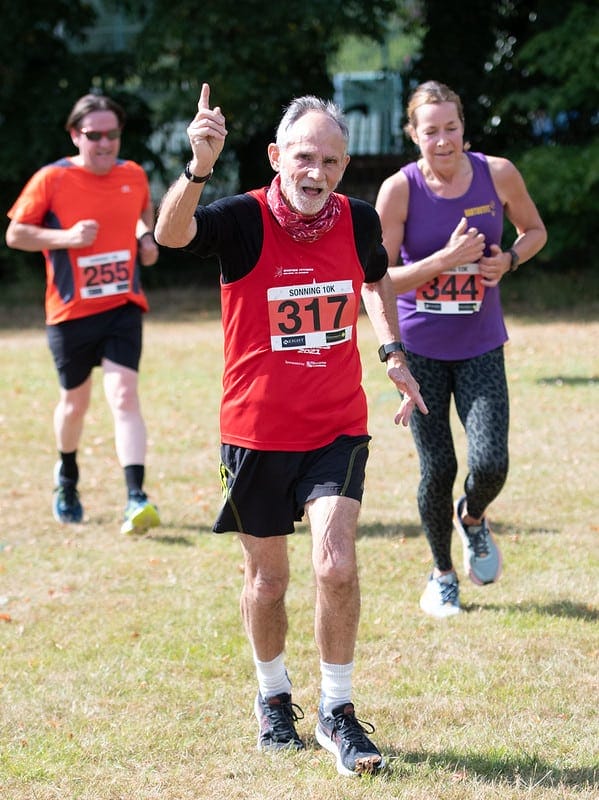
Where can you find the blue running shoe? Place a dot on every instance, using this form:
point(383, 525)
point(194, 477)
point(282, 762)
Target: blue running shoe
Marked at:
point(276, 717)
point(140, 515)
point(66, 506)
point(482, 559)
point(343, 735)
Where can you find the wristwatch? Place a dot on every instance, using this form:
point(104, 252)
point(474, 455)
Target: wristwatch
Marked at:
point(196, 178)
point(515, 260)
point(385, 350)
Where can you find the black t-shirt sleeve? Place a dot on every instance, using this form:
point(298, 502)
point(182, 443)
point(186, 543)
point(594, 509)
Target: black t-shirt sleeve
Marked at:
point(230, 229)
point(369, 240)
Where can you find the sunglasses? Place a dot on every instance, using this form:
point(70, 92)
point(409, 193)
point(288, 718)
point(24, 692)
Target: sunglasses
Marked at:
point(95, 136)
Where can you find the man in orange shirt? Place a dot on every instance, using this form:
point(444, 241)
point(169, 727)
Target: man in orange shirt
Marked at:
point(92, 217)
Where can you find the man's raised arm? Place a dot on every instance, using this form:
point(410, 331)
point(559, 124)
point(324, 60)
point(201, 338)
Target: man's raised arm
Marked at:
point(176, 225)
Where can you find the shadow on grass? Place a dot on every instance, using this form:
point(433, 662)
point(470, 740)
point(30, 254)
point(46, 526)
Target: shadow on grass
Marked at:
point(389, 531)
point(400, 530)
point(161, 534)
point(560, 608)
point(505, 529)
point(179, 541)
point(379, 530)
point(519, 772)
point(568, 380)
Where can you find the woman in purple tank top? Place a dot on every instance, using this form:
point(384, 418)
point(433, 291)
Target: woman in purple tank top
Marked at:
point(442, 219)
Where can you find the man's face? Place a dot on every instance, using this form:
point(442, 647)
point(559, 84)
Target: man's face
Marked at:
point(98, 156)
point(312, 163)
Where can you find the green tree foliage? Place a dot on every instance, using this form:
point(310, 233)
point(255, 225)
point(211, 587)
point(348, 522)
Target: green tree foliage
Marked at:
point(35, 84)
point(45, 69)
point(39, 77)
point(527, 75)
point(564, 180)
point(510, 61)
point(256, 55)
point(402, 40)
point(455, 47)
point(562, 64)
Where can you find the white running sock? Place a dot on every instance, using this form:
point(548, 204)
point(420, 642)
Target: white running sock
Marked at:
point(336, 685)
point(272, 676)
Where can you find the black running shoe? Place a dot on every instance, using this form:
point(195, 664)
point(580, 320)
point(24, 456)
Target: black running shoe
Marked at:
point(342, 734)
point(277, 717)
point(66, 505)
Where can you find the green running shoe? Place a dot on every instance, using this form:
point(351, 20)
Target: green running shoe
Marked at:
point(140, 515)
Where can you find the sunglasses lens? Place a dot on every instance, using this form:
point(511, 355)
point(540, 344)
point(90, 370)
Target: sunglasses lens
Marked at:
point(95, 136)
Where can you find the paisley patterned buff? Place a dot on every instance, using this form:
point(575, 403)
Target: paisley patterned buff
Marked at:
point(299, 227)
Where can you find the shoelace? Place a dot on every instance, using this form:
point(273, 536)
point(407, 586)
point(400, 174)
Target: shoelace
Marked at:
point(68, 495)
point(477, 536)
point(449, 592)
point(354, 730)
point(283, 716)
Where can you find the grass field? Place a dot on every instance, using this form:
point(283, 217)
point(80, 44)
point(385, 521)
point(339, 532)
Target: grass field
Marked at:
point(124, 671)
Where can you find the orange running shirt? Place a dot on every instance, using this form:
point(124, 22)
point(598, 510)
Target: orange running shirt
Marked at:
point(88, 280)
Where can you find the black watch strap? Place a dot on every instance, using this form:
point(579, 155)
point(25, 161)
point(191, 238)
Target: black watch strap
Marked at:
point(385, 350)
point(515, 259)
point(196, 178)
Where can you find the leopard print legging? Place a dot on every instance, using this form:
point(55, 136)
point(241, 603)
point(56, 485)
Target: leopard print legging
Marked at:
point(479, 388)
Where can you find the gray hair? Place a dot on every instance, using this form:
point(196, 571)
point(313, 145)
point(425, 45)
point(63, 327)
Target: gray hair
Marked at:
point(302, 105)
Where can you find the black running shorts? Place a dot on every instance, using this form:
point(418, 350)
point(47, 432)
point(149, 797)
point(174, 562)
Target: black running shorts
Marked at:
point(265, 491)
point(79, 345)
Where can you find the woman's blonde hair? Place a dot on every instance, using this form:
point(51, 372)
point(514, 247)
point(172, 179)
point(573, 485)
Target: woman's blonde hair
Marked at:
point(431, 92)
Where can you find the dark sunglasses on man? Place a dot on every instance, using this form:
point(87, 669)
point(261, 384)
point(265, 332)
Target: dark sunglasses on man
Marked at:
point(95, 136)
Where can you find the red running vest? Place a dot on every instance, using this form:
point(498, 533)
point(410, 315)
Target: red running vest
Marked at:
point(292, 377)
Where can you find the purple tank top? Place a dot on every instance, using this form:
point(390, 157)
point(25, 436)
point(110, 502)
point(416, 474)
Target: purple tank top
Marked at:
point(430, 222)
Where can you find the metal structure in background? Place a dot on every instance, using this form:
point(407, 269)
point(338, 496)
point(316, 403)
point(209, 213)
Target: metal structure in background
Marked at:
point(372, 102)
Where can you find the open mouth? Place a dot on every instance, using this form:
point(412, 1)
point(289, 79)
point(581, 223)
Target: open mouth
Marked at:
point(312, 191)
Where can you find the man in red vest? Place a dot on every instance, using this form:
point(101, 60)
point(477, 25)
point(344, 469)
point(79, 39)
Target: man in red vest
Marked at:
point(295, 259)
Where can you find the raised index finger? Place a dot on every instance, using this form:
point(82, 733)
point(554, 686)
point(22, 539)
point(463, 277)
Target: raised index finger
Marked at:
point(204, 101)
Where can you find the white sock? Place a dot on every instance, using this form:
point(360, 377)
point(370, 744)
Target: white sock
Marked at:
point(336, 685)
point(272, 676)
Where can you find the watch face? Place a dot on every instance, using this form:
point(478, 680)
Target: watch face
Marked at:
point(385, 350)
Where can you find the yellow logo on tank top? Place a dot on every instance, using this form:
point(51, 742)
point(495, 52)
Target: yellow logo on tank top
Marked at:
point(478, 211)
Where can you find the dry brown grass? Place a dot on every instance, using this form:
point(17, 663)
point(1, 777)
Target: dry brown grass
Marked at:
point(124, 670)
